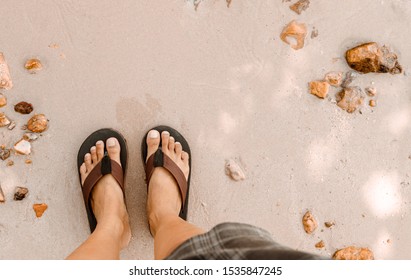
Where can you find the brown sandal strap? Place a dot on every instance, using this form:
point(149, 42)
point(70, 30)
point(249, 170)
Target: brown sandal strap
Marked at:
point(159, 159)
point(105, 166)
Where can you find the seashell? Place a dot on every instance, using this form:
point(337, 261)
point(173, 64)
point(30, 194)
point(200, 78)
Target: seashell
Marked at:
point(4, 121)
point(23, 147)
point(38, 123)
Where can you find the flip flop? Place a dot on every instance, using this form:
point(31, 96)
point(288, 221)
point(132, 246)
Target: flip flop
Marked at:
point(105, 166)
point(159, 159)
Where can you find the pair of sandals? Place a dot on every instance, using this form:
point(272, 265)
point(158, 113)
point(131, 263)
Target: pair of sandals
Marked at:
point(108, 166)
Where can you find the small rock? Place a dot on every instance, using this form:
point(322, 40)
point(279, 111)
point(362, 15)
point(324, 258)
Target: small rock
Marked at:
point(23, 108)
point(389, 241)
point(4, 153)
point(54, 46)
point(350, 99)
point(23, 147)
point(28, 161)
point(353, 253)
point(37, 123)
point(320, 245)
point(4, 121)
point(2, 198)
point(30, 137)
point(334, 78)
point(319, 88)
point(371, 91)
point(314, 33)
point(350, 76)
point(300, 6)
point(23, 127)
point(369, 57)
point(21, 193)
point(329, 224)
point(3, 100)
point(39, 209)
point(309, 223)
point(12, 125)
point(5, 79)
point(233, 170)
point(228, 3)
point(372, 103)
point(295, 30)
point(10, 163)
point(33, 65)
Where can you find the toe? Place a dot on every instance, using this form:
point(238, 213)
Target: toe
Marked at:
point(113, 149)
point(87, 161)
point(93, 153)
point(100, 150)
point(185, 157)
point(153, 142)
point(83, 171)
point(178, 149)
point(165, 138)
point(171, 143)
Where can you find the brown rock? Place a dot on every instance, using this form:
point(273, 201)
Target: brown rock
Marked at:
point(10, 163)
point(319, 88)
point(28, 161)
point(353, 253)
point(3, 100)
point(228, 3)
point(320, 245)
point(371, 91)
point(300, 6)
point(369, 57)
point(4, 153)
point(372, 103)
point(33, 65)
point(334, 78)
point(309, 223)
point(2, 198)
point(295, 30)
point(350, 98)
point(5, 79)
point(20, 193)
point(23, 108)
point(38, 123)
point(329, 224)
point(39, 209)
point(233, 169)
point(4, 121)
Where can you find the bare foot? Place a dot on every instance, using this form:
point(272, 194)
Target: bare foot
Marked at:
point(107, 199)
point(164, 197)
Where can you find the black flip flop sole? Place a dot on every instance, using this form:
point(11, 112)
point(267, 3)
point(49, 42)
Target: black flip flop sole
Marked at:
point(178, 138)
point(103, 135)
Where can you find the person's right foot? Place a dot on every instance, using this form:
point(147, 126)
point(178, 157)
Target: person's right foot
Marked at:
point(164, 196)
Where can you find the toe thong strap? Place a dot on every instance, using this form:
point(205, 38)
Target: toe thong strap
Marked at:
point(159, 159)
point(105, 166)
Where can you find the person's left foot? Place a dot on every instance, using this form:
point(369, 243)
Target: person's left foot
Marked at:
point(107, 199)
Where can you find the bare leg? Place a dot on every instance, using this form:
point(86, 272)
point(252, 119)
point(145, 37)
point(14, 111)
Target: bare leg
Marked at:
point(164, 200)
point(112, 233)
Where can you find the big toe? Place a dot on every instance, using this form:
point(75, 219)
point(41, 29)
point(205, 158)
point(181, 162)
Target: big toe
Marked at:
point(113, 149)
point(153, 142)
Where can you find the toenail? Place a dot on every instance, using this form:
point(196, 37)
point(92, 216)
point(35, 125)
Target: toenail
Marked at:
point(166, 133)
point(99, 142)
point(92, 148)
point(153, 134)
point(111, 142)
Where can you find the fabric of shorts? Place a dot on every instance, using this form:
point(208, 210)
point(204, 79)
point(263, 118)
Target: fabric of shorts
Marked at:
point(236, 241)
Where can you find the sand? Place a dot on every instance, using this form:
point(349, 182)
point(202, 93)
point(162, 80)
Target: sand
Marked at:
point(223, 77)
